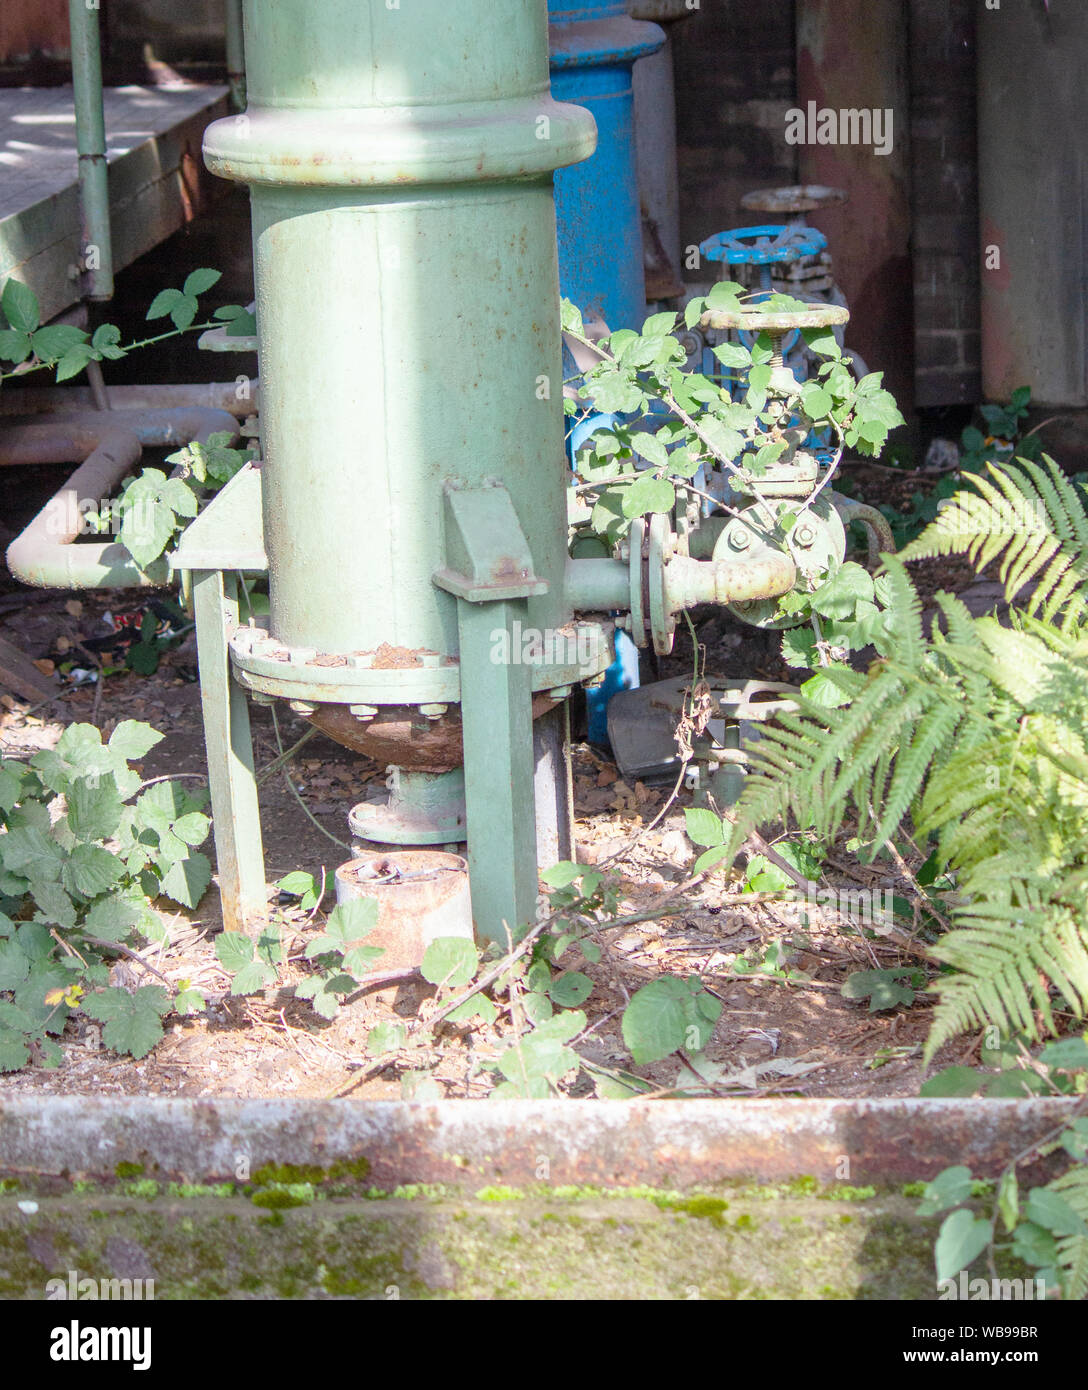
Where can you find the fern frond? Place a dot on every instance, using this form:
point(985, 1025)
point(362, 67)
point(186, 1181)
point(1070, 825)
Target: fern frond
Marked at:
point(1029, 516)
point(1005, 958)
point(1073, 1249)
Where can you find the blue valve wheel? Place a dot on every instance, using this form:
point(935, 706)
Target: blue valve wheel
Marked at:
point(771, 245)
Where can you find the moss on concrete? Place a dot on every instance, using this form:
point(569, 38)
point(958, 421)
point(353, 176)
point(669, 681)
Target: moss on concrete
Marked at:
point(725, 1244)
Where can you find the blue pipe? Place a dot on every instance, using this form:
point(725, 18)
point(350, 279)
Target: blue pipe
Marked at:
point(593, 48)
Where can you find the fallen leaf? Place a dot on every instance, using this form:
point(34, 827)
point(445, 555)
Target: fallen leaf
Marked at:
point(74, 608)
point(45, 666)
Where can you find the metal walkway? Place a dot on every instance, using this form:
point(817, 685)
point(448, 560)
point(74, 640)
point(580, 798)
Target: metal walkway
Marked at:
point(155, 172)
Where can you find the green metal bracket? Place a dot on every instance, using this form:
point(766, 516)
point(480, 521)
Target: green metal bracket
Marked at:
point(228, 534)
point(490, 569)
point(487, 555)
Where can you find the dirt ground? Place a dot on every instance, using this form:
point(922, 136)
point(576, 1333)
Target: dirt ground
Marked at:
point(798, 1038)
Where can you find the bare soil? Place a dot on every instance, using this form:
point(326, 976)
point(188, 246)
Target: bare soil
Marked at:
point(273, 1044)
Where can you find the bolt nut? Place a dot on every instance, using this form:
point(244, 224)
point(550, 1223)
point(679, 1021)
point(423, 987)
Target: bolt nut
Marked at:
point(594, 682)
point(363, 711)
point(305, 707)
point(805, 534)
point(560, 692)
point(433, 711)
point(261, 697)
point(739, 538)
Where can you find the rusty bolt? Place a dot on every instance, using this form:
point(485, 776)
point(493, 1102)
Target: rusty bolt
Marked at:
point(433, 711)
point(739, 538)
point(363, 711)
point(306, 707)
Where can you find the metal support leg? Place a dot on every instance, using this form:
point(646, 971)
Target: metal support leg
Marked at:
point(235, 813)
point(553, 787)
point(496, 722)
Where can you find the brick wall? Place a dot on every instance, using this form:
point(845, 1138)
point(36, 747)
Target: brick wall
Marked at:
point(734, 84)
point(944, 175)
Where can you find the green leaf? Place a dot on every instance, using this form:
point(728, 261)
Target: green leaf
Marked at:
point(1047, 1209)
point(91, 870)
point(450, 960)
point(193, 828)
point(132, 740)
point(50, 344)
point(649, 447)
point(324, 991)
point(94, 812)
point(163, 303)
point(190, 1000)
point(106, 340)
point(948, 1189)
point(478, 1006)
point(74, 361)
point(816, 401)
point(571, 318)
point(20, 306)
point(113, 918)
point(14, 965)
point(1008, 1199)
point(649, 494)
point(14, 347)
point(186, 880)
point(133, 1022)
point(822, 341)
point(536, 1006)
point(710, 858)
point(233, 950)
point(885, 989)
point(733, 355)
point(1071, 1054)
point(662, 1018)
point(838, 596)
point(570, 989)
point(704, 827)
point(1034, 1245)
point(14, 1053)
point(386, 1037)
point(962, 1239)
point(725, 294)
point(198, 281)
point(296, 884)
point(953, 1081)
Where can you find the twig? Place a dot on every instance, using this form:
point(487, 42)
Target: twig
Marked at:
point(129, 954)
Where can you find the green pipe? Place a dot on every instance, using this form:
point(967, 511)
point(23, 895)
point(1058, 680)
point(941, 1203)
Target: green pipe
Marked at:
point(236, 54)
point(599, 586)
point(94, 193)
point(400, 159)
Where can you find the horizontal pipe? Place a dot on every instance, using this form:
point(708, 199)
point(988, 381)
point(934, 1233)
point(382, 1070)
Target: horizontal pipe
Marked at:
point(598, 586)
point(764, 574)
point(44, 554)
point(237, 397)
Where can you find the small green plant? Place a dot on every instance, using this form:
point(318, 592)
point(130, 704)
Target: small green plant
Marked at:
point(1047, 1225)
point(67, 349)
point(86, 846)
point(340, 956)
